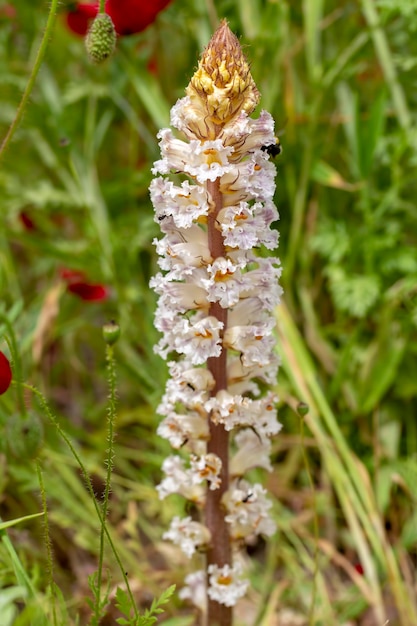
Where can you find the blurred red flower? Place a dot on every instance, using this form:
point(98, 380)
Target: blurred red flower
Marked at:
point(87, 291)
point(26, 221)
point(5, 373)
point(7, 11)
point(78, 285)
point(71, 276)
point(129, 16)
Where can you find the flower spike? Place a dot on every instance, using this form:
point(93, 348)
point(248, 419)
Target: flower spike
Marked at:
point(213, 197)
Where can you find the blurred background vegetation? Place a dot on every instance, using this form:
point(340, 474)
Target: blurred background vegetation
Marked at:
point(340, 80)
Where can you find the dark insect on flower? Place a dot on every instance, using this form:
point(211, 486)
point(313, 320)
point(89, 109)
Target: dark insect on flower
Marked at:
point(247, 497)
point(273, 149)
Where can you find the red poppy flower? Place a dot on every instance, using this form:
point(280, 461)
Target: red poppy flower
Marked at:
point(129, 16)
point(71, 276)
point(88, 291)
point(78, 285)
point(7, 11)
point(79, 19)
point(26, 221)
point(5, 373)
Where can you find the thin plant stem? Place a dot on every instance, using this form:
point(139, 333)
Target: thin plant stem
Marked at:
point(48, 545)
point(315, 525)
point(89, 486)
point(219, 552)
point(212, 13)
point(31, 82)
point(111, 417)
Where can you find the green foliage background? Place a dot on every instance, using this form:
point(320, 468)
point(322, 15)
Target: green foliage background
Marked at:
point(339, 79)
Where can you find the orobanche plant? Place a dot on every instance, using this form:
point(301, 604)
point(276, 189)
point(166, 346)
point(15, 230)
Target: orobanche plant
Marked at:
point(213, 198)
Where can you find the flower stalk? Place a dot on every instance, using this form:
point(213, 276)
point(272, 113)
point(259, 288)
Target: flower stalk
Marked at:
point(213, 197)
point(219, 552)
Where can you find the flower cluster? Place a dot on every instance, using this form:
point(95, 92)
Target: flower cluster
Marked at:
point(213, 200)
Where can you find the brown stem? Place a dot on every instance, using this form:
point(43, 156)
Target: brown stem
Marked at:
point(219, 552)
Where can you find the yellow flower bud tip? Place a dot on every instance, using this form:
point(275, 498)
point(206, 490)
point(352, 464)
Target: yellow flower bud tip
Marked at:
point(223, 82)
point(100, 41)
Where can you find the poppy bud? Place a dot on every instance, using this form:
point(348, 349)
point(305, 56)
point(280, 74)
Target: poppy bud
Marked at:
point(111, 332)
point(302, 409)
point(100, 41)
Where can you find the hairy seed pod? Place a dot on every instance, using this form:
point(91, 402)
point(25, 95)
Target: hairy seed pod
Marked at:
point(100, 41)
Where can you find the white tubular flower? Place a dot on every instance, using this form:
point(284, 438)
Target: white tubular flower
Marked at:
point(207, 468)
point(189, 387)
point(252, 451)
point(187, 534)
point(225, 584)
point(184, 429)
point(193, 200)
point(180, 480)
point(247, 510)
point(195, 589)
point(217, 290)
point(246, 226)
point(233, 411)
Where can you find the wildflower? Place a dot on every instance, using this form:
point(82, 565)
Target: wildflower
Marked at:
point(195, 589)
point(88, 291)
point(248, 510)
point(216, 298)
point(27, 221)
point(128, 16)
point(7, 12)
point(79, 18)
point(5, 373)
point(225, 584)
point(78, 285)
point(252, 451)
point(181, 480)
point(188, 534)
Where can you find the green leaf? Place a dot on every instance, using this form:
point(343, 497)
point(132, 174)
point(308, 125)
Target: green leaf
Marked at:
point(123, 602)
point(354, 294)
point(370, 130)
point(380, 369)
point(325, 174)
point(332, 241)
point(19, 520)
